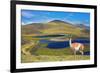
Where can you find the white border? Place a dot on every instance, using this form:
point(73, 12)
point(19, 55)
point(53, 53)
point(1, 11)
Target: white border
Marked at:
point(20, 65)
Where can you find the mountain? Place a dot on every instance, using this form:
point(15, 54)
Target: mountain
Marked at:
point(83, 26)
point(59, 21)
point(32, 28)
point(55, 27)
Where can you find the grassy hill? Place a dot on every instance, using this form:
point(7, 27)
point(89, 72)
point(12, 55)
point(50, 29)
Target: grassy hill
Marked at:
point(54, 27)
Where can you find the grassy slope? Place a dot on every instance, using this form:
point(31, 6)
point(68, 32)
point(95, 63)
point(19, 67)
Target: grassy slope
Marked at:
point(53, 28)
point(46, 58)
point(40, 53)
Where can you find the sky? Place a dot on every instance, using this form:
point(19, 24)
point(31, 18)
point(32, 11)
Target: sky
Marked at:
point(36, 16)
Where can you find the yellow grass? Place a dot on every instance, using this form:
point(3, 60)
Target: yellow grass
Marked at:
point(46, 58)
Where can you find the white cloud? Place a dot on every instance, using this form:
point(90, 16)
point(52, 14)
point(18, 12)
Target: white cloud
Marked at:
point(28, 22)
point(27, 14)
point(23, 23)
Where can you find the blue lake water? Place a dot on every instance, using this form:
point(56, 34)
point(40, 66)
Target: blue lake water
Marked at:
point(63, 44)
point(87, 53)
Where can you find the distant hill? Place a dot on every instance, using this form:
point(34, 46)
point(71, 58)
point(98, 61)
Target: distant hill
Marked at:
point(83, 26)
point(59, 21)
point(32, 28)
point(55, 27)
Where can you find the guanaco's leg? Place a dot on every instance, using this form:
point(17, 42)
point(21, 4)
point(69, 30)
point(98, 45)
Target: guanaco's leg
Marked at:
point(74, 52)
point(81, 52)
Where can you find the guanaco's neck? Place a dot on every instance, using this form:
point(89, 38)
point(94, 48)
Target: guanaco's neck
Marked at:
point(70, 42)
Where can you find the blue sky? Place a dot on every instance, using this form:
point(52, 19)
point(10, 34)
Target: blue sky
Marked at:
point(36, 16)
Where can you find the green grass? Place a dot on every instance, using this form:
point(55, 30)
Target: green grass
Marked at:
point(39, 53)
point(46, 58)
point(47, 51)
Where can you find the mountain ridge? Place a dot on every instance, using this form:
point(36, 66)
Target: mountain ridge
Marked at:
point(54, 27)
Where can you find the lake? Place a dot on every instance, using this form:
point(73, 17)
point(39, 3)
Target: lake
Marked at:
point(62, 44)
